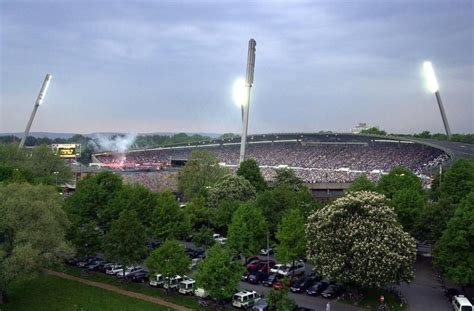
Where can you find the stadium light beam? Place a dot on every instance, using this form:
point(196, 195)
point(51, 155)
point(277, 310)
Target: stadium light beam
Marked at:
point(39, 101)
point(433, 87)
point(248, 86)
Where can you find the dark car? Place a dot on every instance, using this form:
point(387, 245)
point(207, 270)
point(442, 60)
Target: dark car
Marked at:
point(272, 278)
point(450, 293)
point(265, 266)
point(94, 265)
point(245, 277)
point(139, 276)
point(317, 288)
point(256, 277)
point(332, 291)
point(251, 260)
point(86, 262)
point(303, 283)
point(106, 266)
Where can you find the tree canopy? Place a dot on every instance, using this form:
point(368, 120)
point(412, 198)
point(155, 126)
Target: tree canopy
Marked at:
point(291, 237)
point(32, 231)
point(202, 170)
point(249, 170)
point(454, 252)
point(357, 241)
point(169, 220)
point(217, 274)
point(231, 188)
point(362, 183)
point(247, 231)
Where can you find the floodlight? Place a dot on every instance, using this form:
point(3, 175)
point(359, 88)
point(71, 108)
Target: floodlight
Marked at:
point(240, 92)
point(430, 76)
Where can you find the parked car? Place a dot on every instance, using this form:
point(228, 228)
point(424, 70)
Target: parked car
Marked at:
point(281, 282)
point(251, 260)
point(157, 280)
point(256, 277)
point(114, 269)
point(272, 278)
point(138, 276)
point(194, 262)
point(201, 293)
point(245, 276)
point(296, 269)
point(106, 266)
point(94, 265)
point(303, 283)
point(129, 270)
point(450, 293)
point(318, 287)
point(186, 287)
point(265, 266)
point(86, 261)
point(261, 305)
point(332, 291)
point(461, 303)
point(219, 238)
point(245, 299)
point(278, 267)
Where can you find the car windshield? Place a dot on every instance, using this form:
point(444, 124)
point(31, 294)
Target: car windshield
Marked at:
point(466, 308)
point(237, 297)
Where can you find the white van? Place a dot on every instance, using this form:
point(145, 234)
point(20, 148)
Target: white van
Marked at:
point(245, 299)
point(173, 283)
point(186, 287)
point(201, 293)
point(461, 303)
point(157, 280)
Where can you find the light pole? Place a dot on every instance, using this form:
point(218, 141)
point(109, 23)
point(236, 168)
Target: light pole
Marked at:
point(432, 84)
point(38, 102)
point(248, 86)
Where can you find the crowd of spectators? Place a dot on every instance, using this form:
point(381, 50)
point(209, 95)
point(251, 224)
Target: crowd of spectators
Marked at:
point(154, 181)
point(314, 162)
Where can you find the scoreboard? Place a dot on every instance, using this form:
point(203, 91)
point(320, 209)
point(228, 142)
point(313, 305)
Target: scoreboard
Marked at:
point(67, 150)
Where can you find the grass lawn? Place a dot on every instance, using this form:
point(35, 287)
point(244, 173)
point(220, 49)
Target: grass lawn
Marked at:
point(53, 293)
point(186, 301)
point(371, 300)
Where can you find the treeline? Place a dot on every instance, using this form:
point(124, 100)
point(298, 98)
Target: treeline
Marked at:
point(462, 138)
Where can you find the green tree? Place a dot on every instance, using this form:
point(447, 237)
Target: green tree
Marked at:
point(247, 231)
point(249, 170)
point(279, 300)
point(169, 220)
point(362, 183)
point(432, 222)
point(201, 170)
point(454, 252)
point(222, 215)
point(286, 176)
point(198, 212)
point(125, 242)
point(89, 211)
point(398, 179)
point(357, 241)
point(374, 131)
point(203, 237)
point(217, 274)
point(169, 260)
point(456, 182)
point(231, 188)
point(291, 237)
point(408, 204)
point(32, 232)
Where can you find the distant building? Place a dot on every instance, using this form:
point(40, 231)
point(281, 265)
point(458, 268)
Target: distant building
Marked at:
point(360, 127)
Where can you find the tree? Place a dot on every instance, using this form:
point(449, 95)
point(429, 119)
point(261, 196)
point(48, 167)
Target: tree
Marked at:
point(231, 188)
point(279, 300)
point(32, 232)
point(201, 170)
point(89, 211)
point(454, 252)
point(291, 235)
point(126, 240)
point(285, 176)
point(221, 216)
point(217, 274)
point(169, 220)
point(398, 179)
point(247, 231)
point(456, 182)
point(169, 260)
point(408, 204)
point(203, 237)
point(249, 170)
point(362, 183)
point(357, 241)
point(374, 131)
point(198, 212)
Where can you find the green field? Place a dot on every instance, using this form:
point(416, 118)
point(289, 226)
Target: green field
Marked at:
point(53, 293)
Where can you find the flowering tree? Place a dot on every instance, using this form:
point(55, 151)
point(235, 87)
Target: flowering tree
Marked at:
point(358, 241)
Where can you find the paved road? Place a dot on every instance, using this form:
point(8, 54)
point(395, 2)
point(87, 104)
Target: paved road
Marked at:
point(425, 292)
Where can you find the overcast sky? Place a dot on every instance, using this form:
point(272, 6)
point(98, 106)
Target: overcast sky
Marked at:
point(150, 66)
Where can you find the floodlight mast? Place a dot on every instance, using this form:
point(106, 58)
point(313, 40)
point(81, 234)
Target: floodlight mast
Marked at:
point(248, 86)
point(38, 102)
point(434, 88)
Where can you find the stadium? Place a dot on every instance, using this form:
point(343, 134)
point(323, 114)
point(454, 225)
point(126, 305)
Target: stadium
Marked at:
point(327, 162)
